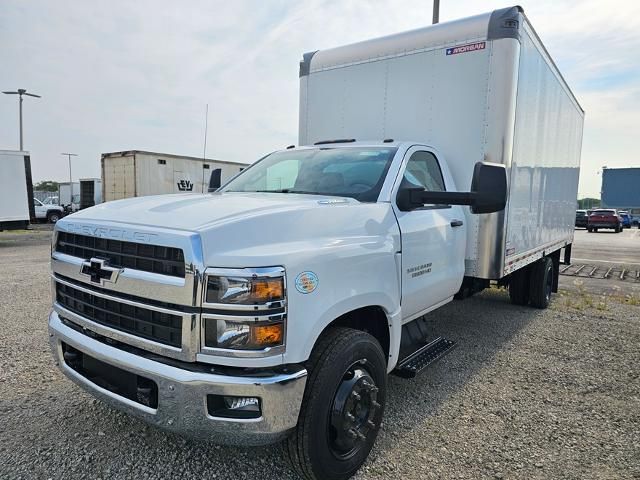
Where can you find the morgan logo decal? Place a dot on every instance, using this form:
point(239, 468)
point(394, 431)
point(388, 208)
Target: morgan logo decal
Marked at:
point(471, 47)
point(306, 282)
point(185, 186)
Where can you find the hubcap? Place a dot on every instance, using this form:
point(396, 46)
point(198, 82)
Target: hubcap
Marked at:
point(352, 415)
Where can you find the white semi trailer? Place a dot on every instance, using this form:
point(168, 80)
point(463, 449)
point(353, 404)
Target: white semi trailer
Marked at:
point(137, 173)
point(433, 163)
point(15, 198)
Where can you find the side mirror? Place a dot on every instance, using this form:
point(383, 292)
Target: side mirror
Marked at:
point(215, 181)
point(488, 192)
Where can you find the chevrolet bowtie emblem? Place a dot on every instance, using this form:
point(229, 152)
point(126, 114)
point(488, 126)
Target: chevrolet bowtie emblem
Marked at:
point(99, 272)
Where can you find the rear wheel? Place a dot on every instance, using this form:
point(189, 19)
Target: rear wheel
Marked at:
point(342, 407)
point(541, 283)
point(519, 286)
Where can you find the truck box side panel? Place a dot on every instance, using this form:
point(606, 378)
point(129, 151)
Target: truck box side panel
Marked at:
point(428, 97)
point(546, 158)
point(14, 199)
point(119, 177)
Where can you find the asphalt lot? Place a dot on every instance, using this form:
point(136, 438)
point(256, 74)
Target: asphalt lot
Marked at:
point(527, 394)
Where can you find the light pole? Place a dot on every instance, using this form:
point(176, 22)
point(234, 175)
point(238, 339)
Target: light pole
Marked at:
point(436, 11)
point(70, 182)
point(20, 92)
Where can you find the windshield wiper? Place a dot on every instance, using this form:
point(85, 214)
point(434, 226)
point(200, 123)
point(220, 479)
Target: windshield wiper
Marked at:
point(290, 190)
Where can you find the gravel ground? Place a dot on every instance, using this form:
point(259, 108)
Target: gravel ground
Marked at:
point(527, 394)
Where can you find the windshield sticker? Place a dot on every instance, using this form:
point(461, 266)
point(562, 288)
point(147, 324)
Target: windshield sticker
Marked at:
point(471, 47)
point(306, 282)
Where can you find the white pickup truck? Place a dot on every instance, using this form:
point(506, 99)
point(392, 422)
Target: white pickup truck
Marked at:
point(275, 307)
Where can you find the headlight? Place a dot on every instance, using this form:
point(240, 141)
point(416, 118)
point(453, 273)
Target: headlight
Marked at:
point(244, 290)
point(250, 309)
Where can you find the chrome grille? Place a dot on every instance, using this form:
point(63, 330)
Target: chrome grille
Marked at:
point(150, 324)
point(124, 254)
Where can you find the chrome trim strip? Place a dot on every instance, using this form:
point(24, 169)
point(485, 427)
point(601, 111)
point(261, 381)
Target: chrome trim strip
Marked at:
point(206, 353)
point(275, 317)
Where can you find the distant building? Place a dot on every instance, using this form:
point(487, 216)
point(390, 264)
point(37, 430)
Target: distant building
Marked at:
point(136, 173)
point(621, 190)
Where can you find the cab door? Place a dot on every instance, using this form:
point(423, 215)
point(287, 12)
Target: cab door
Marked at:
point(433, 237)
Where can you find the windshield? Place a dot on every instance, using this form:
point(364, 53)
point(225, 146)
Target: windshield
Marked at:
point(356, 172)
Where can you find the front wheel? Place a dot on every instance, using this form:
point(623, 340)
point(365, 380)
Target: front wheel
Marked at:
point(342, 407)
point(53, 217)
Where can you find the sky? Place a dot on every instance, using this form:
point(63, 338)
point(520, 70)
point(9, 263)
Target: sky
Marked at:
point(124, 75)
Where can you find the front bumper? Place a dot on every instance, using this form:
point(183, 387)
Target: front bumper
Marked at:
point(182, 405)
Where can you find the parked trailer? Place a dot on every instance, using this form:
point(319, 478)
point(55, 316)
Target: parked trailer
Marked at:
point(434, 162)
point(16, 207)
point(138, 173)
point(90, 192)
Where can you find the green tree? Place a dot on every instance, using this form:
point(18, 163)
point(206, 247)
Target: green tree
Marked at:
point(46, 186)
point(588, 203)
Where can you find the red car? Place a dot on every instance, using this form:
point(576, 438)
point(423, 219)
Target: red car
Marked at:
point(604, 218)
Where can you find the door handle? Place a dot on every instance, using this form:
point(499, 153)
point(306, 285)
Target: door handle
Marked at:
point(456, 223)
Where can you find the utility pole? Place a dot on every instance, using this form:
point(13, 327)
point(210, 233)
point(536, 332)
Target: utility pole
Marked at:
point(70, 181)
point(20, 92)
point(436, 11)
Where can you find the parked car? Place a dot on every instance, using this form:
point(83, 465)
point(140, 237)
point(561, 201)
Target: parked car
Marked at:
point(47, 212)
point(581, 218)
point(604, 218)
point(626, 219)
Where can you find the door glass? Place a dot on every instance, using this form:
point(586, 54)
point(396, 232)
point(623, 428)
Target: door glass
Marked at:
point(423, 171)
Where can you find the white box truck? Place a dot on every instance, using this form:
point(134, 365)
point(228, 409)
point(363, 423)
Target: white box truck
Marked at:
point(69, 196)
point(14, 190)
point(434, 162)
point(137, 173)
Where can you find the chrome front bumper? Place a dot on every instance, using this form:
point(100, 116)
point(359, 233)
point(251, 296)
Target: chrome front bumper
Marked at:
point(182, 406)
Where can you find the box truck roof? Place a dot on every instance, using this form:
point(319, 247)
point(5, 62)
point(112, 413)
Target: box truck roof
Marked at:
point(471, 31)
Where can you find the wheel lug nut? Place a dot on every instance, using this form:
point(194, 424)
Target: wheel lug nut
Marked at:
point(355, 395)
point(375, 404)
point(350, 417)
point(352, 433)
point(361, 436)
point(370, 424)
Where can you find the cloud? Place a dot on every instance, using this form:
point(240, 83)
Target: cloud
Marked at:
point(122, 75)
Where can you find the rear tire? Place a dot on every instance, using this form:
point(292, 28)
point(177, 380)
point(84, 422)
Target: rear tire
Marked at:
point(541, 283)
point(519, 286)
point(346, 389)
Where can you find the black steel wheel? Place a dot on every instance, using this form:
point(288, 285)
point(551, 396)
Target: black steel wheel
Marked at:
point(541, 282)
point(53, 217)
point(342, 407)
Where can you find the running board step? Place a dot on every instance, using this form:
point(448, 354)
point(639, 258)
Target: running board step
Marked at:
point(419, 360)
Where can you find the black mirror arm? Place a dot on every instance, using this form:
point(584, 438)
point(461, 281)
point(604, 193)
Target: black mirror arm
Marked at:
point(440, 198)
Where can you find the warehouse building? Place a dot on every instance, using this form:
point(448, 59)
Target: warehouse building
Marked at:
point(136, 173)
point(621, 190)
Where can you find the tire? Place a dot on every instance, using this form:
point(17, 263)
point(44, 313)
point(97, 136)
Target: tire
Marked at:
point(53, 217)
point(519, 286)
point(541, 283)
point(589, 229)
point(595, 230)
point(327, 444)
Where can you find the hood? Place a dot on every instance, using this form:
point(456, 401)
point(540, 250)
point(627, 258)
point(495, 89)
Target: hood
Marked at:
point(251, 223)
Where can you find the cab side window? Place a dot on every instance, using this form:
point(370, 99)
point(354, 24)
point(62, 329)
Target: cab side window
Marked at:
point(423, 171)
